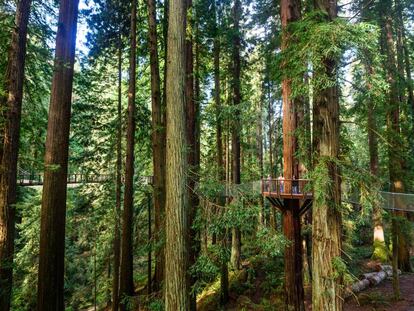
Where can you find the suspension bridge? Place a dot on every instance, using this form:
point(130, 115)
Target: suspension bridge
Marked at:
point(33, 178)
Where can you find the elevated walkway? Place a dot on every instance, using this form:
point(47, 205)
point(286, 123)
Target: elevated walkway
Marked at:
point(35, 179)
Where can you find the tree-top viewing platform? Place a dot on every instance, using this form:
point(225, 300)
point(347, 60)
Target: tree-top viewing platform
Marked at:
point(286, 188)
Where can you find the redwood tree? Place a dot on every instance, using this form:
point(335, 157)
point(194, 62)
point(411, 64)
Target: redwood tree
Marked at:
point(158, 142)
point(192, 151)
point(326, 214)
point(290, 12)
point(53, 214)
point(224, 274)
point(395, 148)
point(236, 126)
point(11, 107)
point(126, 277)
point(118, 194)
point(176, 249)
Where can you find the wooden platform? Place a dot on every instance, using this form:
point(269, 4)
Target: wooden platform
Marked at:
point(298, 196)
point(277, 191)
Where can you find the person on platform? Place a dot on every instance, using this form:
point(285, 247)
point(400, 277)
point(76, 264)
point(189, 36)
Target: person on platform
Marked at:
point(295, 185)
point(281, 182)
point(268, 183)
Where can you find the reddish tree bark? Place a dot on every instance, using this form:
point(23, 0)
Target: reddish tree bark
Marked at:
point(53, 215)
point(192, 153)
point(326, 213)
point(126, 277)
point(177, 291)
point(236, 126)
point(393, 129)
point(158, 145)
point(11, 107)
point(294, 294)
point(118, 194)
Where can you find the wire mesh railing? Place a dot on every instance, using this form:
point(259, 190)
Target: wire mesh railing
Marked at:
point(397, 201)
point(283, 187)
point(25, 178)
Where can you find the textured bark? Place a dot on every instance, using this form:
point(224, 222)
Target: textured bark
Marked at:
point(269, 117)
point(177, 291)
point(126, 287)
point(395, 276)
point(192, 150)
point(117, 233)
point(53, 214)
point(308, 243)
point(259, 158)
point(236, 126)
point(327, 218)
point(217, 101)
point(158, 145)
point(224, 274)
point(290, 12)
point(294, 294)
point(11, 107)
point(380, 249)
point(395, 148)
point(149, 263)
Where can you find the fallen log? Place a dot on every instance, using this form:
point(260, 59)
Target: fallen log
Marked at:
point(376, 277)
point(369, 279)
point(360, 285)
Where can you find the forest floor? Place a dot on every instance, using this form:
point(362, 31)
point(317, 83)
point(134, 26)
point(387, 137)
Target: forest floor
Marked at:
point(380, 297)
point(250, 289)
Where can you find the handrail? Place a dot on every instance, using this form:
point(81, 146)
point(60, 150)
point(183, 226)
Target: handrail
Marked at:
point(285, 187)
point(33, 179)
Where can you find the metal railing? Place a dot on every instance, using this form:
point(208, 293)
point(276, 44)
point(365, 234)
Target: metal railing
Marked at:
point(286, 187)
point(36, 179)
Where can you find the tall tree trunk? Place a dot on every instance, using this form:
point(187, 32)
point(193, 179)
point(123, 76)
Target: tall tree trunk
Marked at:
point(158, 145)
point(379, 247)
point(236, 128)
point(11, 106)
point(259, 157)
point(393, 129)
point(149, 263)
point(177, 291)
point(269, 117)
point(224, 283)
point(294, 294)
point(192, 152)
point(118, 194)
point(126, 288)
point(327, 218)
point(53, 214)
point(380, 251)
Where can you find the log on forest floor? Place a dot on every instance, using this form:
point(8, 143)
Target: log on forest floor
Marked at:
point(370, 279)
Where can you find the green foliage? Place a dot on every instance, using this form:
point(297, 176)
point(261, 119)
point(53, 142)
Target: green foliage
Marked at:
point(320, 176)
point(341, 271)
point(313, 40)
point(205, 270)
point(157, 305)
point(381, 251)
point(270, 243)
